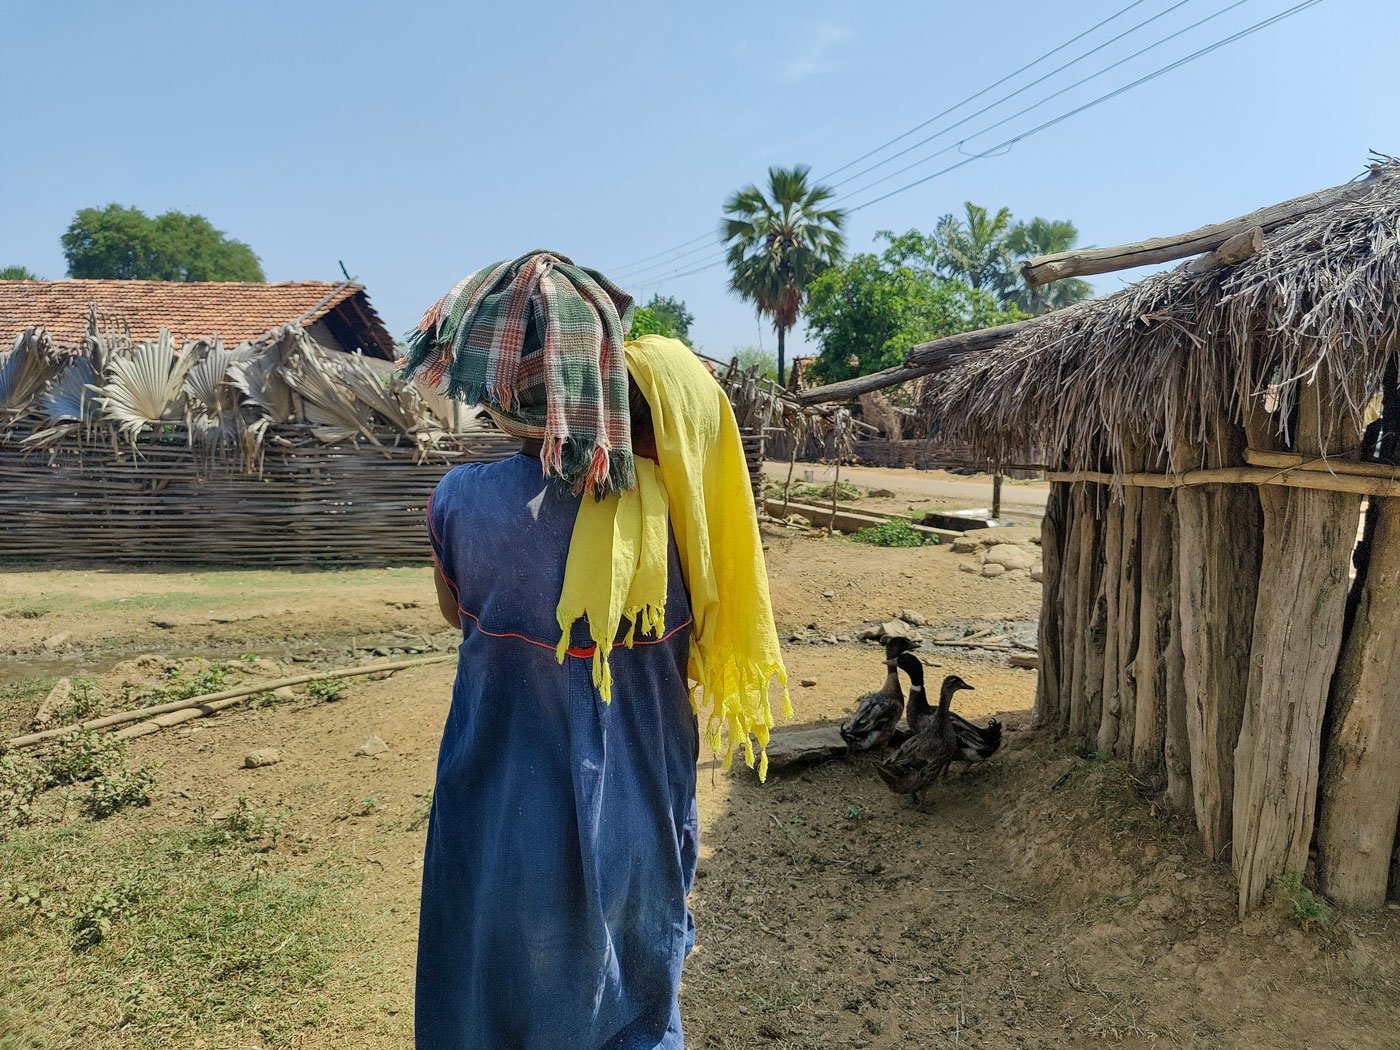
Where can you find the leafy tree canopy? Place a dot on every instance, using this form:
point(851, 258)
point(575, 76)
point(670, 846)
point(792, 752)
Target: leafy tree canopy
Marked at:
point(17, 273)
point(127, 244)
point(673, 313)
point(777, 240)
point(646, 321)
point(757, 357)
point(868, 312)
point(985, 250)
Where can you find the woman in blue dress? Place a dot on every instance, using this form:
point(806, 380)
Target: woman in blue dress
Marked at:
point(563, 837)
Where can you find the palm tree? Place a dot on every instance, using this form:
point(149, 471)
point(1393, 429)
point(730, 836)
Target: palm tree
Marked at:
point(975, 249)
point(777, 243)
point(1045, 237)
point(17, 273)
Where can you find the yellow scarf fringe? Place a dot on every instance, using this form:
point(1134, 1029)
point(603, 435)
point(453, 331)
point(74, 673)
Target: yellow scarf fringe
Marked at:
point(700, 493)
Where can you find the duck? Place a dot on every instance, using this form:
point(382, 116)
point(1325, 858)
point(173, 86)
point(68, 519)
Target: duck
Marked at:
point(975, 743)
point(877, 714)
point(926, 755)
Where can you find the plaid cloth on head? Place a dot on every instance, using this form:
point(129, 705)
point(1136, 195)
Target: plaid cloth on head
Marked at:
point(538, 341)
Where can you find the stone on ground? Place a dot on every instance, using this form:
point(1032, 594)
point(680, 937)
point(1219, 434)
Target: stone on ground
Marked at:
point(263, 756)
point(371, 747)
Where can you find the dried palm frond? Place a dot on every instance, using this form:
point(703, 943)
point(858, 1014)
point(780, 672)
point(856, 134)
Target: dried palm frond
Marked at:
point(331, 408)
point(380, 392)
point(144, 385)
point(26, 369)
point(208, 380)
point(259, 379)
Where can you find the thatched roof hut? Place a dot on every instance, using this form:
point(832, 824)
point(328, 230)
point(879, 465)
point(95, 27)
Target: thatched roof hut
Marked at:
point(1317, 304)
point(1210, 432)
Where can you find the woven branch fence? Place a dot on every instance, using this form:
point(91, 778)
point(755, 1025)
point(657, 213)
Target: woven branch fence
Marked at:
point(161, 501)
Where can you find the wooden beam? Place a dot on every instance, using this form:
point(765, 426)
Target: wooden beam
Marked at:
point(1234, 251)
point(924, 359)
point(1322, 464)
point(1294, 478)
point(1083, 261)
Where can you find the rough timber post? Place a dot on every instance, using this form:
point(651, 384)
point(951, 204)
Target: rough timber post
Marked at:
point(1068, 598)
point(1154, 637)
point(1219, 531)
point(1360, 795)
point(1116, 723)
point(1049, 682)
point(1113, 628)
point(1086, 688)
point(1303, 580)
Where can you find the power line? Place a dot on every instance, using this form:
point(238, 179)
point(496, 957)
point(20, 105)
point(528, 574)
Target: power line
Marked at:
point(1052, 122)
point(971, 98)
point(1251, 30)
point(622, 270)
point(1045, 77)
point(1036, 105)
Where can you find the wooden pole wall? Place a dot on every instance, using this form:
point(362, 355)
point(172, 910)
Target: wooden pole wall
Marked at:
point(1303, 581)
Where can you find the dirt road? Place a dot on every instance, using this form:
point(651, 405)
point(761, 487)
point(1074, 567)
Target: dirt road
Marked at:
point(1025, 499)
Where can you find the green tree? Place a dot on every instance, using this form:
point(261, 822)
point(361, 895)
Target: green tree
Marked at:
point(867, 313)
point(976, 248)
point(757, 357)
point(646, 321)
point(674, 313)
point(778, 242)
point(17, 273)
point(1045, 237)
point(125, 243)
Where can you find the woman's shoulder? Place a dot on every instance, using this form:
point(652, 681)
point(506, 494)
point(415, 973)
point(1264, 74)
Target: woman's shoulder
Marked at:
point(470, 481)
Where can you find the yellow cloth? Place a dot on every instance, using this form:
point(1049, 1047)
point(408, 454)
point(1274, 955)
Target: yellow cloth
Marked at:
point(702, 481)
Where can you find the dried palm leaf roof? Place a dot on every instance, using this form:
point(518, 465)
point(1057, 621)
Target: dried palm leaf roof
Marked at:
point(1319, 303)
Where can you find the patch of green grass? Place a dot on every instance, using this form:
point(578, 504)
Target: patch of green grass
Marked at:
point(168, 937)
point(182, 681)
point(822, 493)
point(247, 826)
point(897, 532)
point(28, 609)
point(1298, 902)
point(327, 690)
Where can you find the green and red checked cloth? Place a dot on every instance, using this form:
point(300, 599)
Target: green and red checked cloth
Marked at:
point(538, 341)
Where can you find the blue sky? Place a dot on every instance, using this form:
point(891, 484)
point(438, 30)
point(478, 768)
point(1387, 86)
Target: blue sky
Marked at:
point(418, 141)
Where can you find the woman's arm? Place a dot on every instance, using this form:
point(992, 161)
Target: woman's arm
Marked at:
point(447, 599)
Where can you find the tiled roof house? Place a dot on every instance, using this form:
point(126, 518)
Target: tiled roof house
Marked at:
point(337, 315)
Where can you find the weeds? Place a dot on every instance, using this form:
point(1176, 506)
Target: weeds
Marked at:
point(119, 789)
point(327, 690)
point(254, 827)
point(897, 532)
point(422, 813)
point(19, 787)
point(1298, 902)
point(91, 926)
point(180, 682)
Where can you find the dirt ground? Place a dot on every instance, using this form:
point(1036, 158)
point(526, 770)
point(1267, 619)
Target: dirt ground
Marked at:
point(1036, 901)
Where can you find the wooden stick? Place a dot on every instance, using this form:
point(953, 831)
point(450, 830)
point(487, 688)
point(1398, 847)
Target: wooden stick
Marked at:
point(1084, 261)
point(1291, 477)
point(922, 360)
point(1322, 464)
point(1233, 252)
point(122, 717)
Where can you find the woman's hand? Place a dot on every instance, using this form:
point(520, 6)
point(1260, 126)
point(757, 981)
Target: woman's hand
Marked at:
point(447, 599)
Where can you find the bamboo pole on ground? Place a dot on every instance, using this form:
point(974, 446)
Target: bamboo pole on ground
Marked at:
point(239, 692)
point(1360, 778)
point(1307, 542)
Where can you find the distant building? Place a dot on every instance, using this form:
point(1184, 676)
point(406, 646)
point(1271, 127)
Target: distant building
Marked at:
point(336, 315)
point(800, 373)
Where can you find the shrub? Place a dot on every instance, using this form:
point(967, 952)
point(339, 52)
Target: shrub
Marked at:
point(897, 532)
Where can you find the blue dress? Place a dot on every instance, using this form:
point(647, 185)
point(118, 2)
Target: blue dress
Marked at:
point(563, 837)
